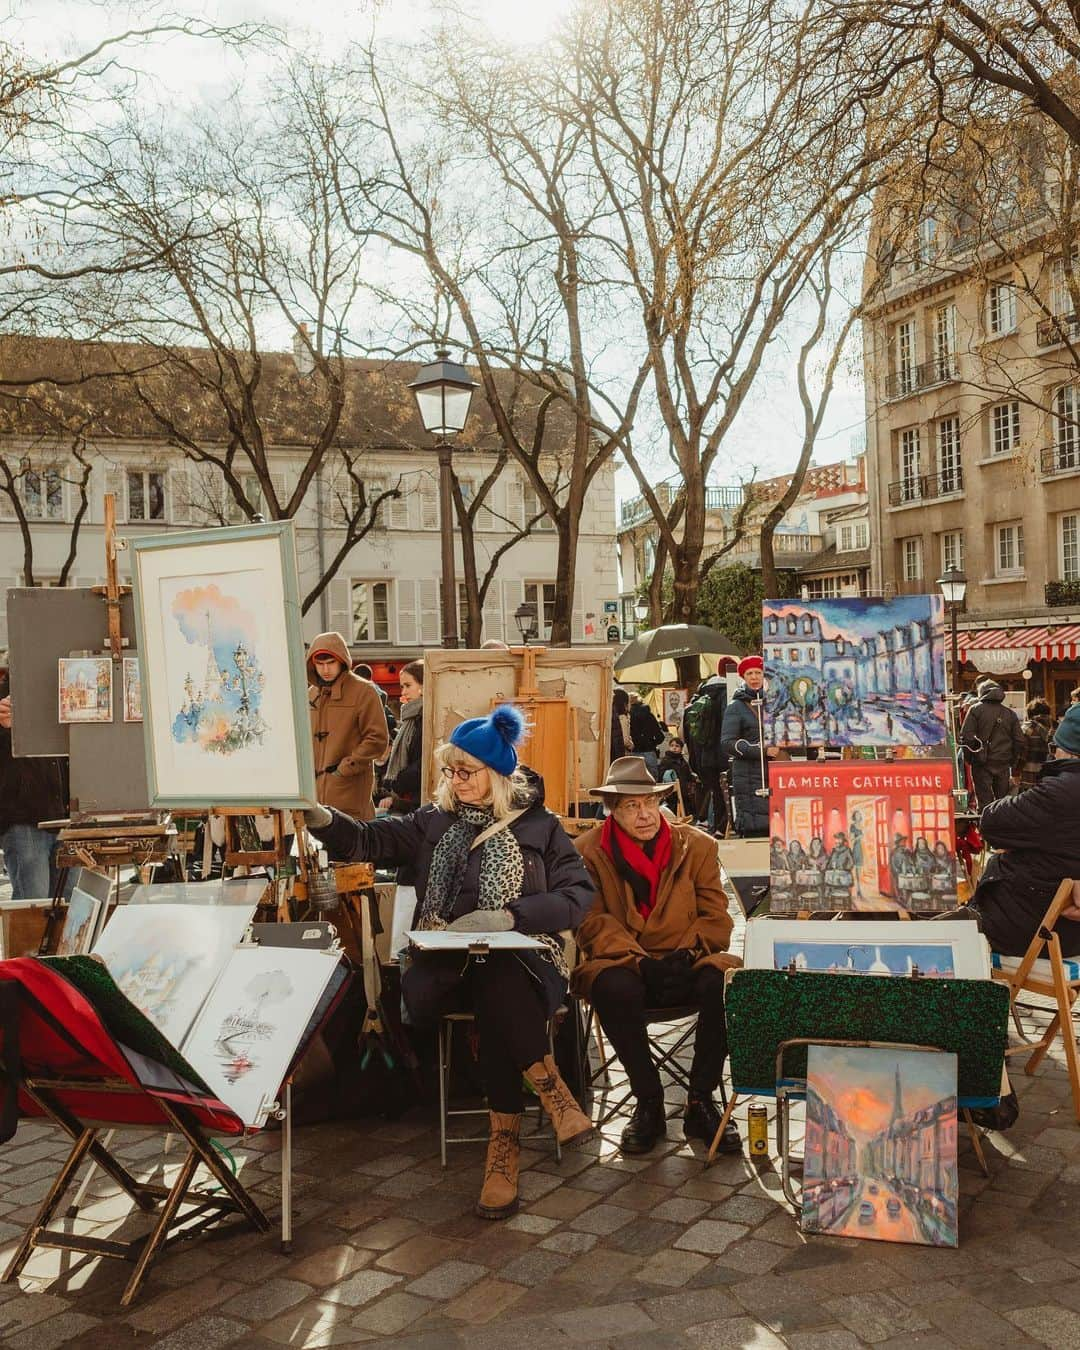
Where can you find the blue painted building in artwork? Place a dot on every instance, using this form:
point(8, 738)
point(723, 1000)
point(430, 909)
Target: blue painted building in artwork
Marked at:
point(898, 661)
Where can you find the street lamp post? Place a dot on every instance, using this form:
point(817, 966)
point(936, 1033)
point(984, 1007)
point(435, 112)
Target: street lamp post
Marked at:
point(953, 585)
point(641, 612)
point(525, 616)
point(443, 393)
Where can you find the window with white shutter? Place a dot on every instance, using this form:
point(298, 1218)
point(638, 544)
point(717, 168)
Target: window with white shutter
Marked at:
point(577, 618)
point(405, 593)
point(493, 620)
point(515, 502)
point(532, 508)
point(340, 607)
point(145, 494)
point(430, 620)
point(513, 594)
point(429, 503)
point(181, 484)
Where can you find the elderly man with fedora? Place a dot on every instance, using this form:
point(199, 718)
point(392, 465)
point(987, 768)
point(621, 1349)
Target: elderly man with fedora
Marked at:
point(656, 937)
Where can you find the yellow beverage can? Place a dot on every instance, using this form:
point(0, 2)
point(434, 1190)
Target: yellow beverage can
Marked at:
point(757, 1119)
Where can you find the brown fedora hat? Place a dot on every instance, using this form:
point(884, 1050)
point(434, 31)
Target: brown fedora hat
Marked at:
point(628, 777)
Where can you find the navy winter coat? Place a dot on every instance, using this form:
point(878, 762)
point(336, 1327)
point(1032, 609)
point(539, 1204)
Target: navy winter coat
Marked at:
point(1040, 830)
point(741, 742)
point(556, 892)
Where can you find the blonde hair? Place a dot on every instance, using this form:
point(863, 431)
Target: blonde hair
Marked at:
point(505, 794)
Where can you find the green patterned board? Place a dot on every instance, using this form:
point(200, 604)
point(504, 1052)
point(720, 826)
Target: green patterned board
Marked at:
point(120, 1017)
point(765, 1007)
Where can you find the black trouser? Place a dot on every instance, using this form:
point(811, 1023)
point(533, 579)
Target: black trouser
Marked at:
point(618, 995)
point(990, 784)
point(712, 789)
point(507, 1001)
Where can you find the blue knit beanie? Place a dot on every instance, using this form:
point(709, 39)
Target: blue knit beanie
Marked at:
point(492, 739)
point(1068, 732)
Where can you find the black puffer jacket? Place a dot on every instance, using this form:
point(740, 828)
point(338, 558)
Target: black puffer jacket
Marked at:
point(741, 742)
point(992, 724)
point(556, 890)
point(30, 789)
point(1040, 832)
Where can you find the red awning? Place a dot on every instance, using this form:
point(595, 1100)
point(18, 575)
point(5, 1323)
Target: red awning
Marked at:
point(1061, 643)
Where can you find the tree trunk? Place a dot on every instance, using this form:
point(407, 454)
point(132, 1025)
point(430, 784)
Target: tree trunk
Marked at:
point(565, 580)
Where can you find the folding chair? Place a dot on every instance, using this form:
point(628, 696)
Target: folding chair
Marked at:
point(447, 1023)
point(1053, 976)
point(665, 1057)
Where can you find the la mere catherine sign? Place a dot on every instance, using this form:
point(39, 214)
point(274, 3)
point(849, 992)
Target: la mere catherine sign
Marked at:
point(862, 836)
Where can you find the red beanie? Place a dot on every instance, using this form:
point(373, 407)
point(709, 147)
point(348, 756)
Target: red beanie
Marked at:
point(750, 663)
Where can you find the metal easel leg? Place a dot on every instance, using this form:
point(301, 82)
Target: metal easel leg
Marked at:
point(286, 1174)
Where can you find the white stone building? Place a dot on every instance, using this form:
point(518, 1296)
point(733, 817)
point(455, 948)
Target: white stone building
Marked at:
point(385, 597)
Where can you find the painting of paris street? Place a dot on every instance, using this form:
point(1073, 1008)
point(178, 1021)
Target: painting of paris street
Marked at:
point(854, 672)
point(880, 1156)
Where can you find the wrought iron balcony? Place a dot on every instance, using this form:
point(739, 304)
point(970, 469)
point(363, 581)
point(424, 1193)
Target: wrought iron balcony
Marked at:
point(910, 379)
point(926, 486)
point(1062, 458)
point(1063, 593)
point(1061, 328)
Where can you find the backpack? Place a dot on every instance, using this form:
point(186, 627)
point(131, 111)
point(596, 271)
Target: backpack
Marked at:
point(699, 721)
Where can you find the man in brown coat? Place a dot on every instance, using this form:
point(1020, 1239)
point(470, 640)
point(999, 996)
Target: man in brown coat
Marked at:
point(657, 937)
point(348, 728)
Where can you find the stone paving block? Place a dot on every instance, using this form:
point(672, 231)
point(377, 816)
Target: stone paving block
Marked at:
point(600, 1270)
point(173, 1307)
point(54, 1331)
point(386, 1233)
point(361, 1287)
point(741, 1208)
point(733, 1333)
point(751, 1257)
point(640, 1195)
point(529, 1223)
point(391, 1314)
point(690, 1307)
point(1048, 1324)
point(447, 1279)
point(600, 1179)
point(644, 1236)
point(532, 1185)
point(573, 1244)
point(204, 1333)
point(680, 1209)
point(23, 1312)
point(418, 1254)
point(311, 1326)
point(330, 1264)
point(710, 1236)
point(484, 1302)
point(388, 1165)
point(877, 1316)
point(565, 1203)
point(603, 1322)
point(968, 1323)
point(828, 1338)
point(534, 1267)
point(1053, 1271)
point(670, 1268)
point(266, 1300)
point(784, 1304)
point(405, 1185)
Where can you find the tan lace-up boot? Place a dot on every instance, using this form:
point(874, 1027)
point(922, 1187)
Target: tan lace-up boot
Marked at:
point(499, 1195)
point(572, 1125)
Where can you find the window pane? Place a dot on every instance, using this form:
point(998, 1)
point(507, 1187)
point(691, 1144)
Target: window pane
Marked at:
point(136, 496)
point(361, 619)
point(1070, 549)
point(156, 486)
point(380, 607)
point(32, 493)
point(54, 494)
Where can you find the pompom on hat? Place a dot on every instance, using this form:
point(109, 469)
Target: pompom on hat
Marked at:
point(492, 739)
point(749, 663)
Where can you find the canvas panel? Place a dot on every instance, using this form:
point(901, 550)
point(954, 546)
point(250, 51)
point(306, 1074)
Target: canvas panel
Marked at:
point(167, 958)
point(862, 835)
point(880, 1151)
point(854, 672)
point(85, 689)
point(248, 1031)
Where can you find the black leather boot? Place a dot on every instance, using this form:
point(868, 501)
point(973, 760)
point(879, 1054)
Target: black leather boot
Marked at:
point(702, 1120)
point(645, 1126)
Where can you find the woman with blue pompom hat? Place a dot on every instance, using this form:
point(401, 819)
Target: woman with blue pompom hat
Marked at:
point(487, 856)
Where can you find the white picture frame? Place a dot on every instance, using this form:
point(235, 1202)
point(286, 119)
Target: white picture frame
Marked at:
point(951, 949)
point(132, 690)
point(82, 923)
point(224, 686)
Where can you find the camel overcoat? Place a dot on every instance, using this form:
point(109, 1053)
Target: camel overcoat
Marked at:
point(691, 909)
point(348, 728)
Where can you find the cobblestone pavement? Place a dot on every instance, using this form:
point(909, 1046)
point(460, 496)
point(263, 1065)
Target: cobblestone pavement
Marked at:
point(649, 1252)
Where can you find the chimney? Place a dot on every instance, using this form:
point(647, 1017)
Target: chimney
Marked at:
point(303, 359)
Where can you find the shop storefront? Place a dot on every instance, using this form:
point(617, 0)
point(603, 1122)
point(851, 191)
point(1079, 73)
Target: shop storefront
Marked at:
point(1040, 662)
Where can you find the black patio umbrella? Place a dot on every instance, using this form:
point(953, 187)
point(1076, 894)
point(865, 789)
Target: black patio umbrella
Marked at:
point(651, 657)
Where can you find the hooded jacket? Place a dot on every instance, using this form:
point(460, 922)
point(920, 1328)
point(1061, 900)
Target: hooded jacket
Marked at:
point(991, 723)
point(1039, 831)
point(31, 789)
point(691, 910)
point(348, 729)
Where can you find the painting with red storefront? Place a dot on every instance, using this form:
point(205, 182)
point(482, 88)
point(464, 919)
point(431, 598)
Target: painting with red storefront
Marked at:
point(858, 835)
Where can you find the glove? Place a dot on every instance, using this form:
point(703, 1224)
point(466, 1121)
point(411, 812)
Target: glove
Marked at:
point(317, 817)
point(483, 921)
point(678, 976)
point(651, 969)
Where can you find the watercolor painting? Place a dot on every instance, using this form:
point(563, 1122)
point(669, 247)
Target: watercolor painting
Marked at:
point(854, 672)
point(246, 1035)
point(167, 958)
point(949, 949)
point(86, 689)
point(880, 1153)
point(80, 924)
point(218, 679)
point(132, 690)
point(859, 835)
point(934, 961)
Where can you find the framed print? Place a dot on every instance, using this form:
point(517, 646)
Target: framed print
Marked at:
point(880, 1153)
point(86, 689)
point(943, 950)
point(854, 672)
point(224, 689)
point(89, 896)
point(132, 690)
point(861, 835)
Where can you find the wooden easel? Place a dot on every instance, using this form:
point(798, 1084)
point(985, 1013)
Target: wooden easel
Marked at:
point(275, 856)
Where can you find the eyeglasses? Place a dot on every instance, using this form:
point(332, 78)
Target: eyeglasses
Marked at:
point(452, 771)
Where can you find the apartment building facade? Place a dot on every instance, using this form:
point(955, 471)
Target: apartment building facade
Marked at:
point(973, 443)
point(385, 596)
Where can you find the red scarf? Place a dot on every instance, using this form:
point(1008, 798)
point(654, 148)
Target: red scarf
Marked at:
point(634, 864)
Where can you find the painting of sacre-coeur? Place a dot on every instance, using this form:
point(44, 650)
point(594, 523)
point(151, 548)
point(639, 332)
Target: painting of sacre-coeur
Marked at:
point(222, 663)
